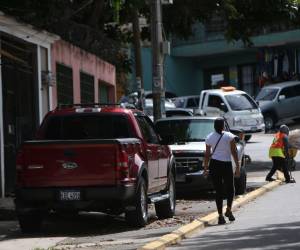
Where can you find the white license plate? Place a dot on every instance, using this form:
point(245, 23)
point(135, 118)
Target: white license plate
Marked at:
point(253, 128)
point(69, 195)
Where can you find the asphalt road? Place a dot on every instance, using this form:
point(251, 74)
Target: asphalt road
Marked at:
point(98, 231)
point(270, 222)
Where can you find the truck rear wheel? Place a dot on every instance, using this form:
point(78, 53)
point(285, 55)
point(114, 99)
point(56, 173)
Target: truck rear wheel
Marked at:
point(138, 216)
point(166, 208)
point(30, 222)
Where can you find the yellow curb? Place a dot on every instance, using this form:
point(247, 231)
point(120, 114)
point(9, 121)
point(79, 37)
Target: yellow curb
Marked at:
point(201, 222)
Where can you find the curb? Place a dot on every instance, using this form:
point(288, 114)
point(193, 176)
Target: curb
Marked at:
point(201, 222)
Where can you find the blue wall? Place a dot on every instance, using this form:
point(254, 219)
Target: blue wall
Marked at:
point(182, 76)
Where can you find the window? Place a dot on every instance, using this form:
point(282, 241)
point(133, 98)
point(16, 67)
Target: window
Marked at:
point(64, 79)
point(185, 130)
point(147, 130)
point(103, 93)
point(288, 92)
point(267, 94)
point(247, 79)
point(86, 88)
point(87, 126)
point(215, 101)
point(193, 102)
point(241, 102)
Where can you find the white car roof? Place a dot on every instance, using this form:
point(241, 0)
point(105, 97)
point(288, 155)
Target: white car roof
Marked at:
point(222, 92)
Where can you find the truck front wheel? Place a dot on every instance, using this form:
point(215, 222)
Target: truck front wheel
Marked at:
point(166, 208)
point(138, 215)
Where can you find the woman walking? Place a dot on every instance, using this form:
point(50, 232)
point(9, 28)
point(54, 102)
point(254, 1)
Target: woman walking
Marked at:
point(220, 145)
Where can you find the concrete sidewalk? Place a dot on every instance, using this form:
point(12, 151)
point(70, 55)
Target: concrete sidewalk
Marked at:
point(7, 209)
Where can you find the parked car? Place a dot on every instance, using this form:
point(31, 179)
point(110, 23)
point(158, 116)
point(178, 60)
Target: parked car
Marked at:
point(279, 101)
point(236, 106)
point(179, 112)
point(186, 137)
point(93, 158)
point(187, 102)
point(148, 110)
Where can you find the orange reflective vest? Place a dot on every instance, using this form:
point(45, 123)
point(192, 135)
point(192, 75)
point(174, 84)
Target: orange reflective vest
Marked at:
point(277, 147)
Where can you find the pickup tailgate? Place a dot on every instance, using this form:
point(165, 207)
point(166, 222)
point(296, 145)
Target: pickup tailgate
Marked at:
point(69, 163)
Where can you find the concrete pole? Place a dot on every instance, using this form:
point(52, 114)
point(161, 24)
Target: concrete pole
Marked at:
point(157, 60)
point(138, 57)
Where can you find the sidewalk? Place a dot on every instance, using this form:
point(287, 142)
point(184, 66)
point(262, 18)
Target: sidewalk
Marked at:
point(7, 209)
point(270, 222)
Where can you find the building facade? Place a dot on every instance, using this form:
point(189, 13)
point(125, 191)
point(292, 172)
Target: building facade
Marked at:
point(38, 71)
point(207, 59)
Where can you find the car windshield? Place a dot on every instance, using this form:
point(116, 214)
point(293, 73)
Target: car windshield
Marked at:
point(178, 131)
point(240, 102)
point(267, 94)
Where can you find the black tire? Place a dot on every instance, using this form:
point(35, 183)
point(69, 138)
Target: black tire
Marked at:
point(30, 222)
point(247, 137)
point(240, 183)
point(270, 121)
point(166, 208)
point(138, 216)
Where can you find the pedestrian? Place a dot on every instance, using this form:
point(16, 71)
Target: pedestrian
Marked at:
point(220, 145)
point(279, 153)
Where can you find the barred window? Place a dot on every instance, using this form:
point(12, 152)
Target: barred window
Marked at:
point(86, 88)
point(64, 80)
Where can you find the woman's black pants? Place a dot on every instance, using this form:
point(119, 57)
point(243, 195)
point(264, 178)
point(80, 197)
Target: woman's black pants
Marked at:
point(222, 177)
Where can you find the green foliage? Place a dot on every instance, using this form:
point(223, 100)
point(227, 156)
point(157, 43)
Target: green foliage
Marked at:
point(91, 24)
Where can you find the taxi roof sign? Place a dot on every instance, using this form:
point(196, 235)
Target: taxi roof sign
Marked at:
point(228, 88)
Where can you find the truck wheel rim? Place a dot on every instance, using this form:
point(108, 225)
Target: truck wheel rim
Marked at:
point(143, 203)
point(171, 195)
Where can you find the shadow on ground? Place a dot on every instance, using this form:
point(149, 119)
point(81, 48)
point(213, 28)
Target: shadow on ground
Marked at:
point(275, 236)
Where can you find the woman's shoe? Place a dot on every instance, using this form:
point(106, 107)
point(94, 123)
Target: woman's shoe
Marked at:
point(221, 220)
point(229, 215)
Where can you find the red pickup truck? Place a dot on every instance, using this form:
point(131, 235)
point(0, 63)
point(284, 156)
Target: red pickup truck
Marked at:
point(94, 158)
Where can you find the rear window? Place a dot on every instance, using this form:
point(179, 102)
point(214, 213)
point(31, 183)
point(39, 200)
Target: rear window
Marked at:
point(86, 126)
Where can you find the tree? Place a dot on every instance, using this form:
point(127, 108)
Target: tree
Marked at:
point(91, 24)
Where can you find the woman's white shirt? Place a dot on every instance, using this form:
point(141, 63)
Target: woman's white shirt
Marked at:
point(223, 149)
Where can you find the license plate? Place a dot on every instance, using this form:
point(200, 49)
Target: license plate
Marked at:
point(69, 195)
point(253, 128)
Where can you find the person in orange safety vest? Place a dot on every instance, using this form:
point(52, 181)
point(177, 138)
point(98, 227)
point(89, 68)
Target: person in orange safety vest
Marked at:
point(279, 152)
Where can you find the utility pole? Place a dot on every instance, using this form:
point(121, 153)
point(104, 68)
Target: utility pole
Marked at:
point(138, 57)
point(157, 60)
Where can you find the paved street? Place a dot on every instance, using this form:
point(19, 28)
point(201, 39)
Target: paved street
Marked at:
point(269, 222)
point(101, 231)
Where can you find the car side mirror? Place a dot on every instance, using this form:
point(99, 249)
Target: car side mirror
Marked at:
point(281, 97)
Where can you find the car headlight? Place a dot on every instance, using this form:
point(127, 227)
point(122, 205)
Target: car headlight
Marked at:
point(237, 121)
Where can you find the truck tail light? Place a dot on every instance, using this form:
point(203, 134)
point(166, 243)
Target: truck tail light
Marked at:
point(122, 167)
